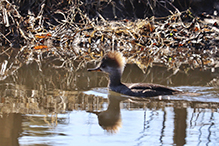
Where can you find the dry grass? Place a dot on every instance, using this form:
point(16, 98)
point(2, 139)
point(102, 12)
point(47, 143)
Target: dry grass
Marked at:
point(48, 35)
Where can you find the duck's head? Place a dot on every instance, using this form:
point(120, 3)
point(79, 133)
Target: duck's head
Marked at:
point(113, 62)
point(109, 120)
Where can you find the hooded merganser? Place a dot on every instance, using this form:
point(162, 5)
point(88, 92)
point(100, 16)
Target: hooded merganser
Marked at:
point(113, 63)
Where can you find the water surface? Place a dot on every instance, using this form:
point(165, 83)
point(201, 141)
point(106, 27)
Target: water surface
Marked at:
point(57, 107)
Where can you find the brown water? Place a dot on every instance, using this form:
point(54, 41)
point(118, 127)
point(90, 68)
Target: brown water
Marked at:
point(59, 107)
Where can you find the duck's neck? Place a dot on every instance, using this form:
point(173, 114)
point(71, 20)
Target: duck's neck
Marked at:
point(115, 79)
point(114, 104)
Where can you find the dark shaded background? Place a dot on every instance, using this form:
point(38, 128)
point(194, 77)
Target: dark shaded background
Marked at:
point(120, 9)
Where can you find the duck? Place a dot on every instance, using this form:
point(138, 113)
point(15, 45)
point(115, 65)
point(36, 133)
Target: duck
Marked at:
point(113, 63)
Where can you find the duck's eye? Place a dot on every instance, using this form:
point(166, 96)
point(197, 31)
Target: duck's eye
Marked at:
point(103, 65)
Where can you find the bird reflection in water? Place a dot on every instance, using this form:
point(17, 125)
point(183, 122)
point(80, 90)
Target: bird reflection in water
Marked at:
point(110, 119)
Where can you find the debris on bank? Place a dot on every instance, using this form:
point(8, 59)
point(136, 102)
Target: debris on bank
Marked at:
point(180, 41)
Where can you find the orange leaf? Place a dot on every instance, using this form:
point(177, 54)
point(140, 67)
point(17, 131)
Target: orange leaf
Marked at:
point(48, 34)
point(152, 28)
point(196, 29)
point(42, 35)
point(173, 18)
point(40, 47)
point(142, 49)
point(87, 35)
point(125, 20)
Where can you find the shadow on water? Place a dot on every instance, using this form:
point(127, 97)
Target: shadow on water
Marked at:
point(60, 107)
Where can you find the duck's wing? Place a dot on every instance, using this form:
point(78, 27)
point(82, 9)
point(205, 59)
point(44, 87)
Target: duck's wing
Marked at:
point(150, 90)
